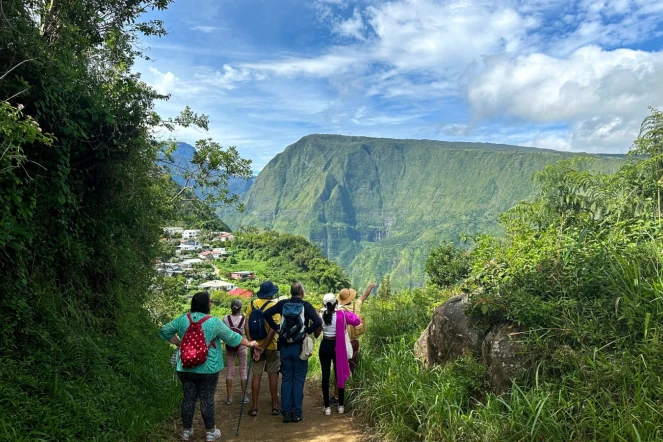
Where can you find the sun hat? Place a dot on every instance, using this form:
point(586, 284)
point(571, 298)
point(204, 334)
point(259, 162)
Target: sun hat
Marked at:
point(267, 290)
point(329, 298)
point(346, 296)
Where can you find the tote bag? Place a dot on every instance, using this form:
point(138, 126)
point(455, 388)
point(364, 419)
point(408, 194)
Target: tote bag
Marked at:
point(348, 345)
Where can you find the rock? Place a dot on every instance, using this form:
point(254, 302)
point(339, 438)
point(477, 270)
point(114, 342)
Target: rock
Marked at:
point(449, 335)
point(452, 334)
point(503, 357)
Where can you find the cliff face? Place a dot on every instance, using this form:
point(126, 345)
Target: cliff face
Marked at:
point(379, 205)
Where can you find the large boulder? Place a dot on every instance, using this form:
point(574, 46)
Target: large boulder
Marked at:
point(452, 334)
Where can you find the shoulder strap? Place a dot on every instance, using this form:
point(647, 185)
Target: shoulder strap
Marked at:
point(241, 323)
point(265, 305)
point(202, 321)
point(230, 322)
point(188, 315)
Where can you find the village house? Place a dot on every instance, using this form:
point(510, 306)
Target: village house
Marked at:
point(172, 231)
point(190, 245)
point(190, 234)
point(217, 285)
point(241, 275)
point(225, 236)
point(242, 293)
point(213, 254)
point(189, 263)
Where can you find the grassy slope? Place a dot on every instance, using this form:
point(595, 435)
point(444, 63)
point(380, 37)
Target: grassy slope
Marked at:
point(379, 205)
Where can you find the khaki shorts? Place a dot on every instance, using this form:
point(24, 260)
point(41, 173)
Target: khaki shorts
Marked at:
point(269, 362)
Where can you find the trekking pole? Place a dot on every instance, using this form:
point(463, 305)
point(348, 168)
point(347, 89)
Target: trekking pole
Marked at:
point(246, 385)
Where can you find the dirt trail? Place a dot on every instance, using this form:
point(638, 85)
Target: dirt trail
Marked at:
point(316, 427)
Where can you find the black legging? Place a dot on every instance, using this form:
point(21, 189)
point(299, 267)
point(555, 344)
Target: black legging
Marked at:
point(327, 355)
point(197, 385)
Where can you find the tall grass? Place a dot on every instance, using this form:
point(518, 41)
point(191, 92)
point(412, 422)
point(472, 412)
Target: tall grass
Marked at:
point(83, 384)
point(601, 395)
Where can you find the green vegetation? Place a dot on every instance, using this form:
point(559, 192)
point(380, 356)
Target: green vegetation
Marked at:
point(283, 259)
point(579, 272)
point(378, 206)
point(84, 198)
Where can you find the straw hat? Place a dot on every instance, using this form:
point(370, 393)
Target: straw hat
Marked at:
point(346, 296)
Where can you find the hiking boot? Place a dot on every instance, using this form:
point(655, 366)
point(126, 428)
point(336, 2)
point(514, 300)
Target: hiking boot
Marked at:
point(327, 411)
point(187, 434)
point(213, 435)
point(287, 418)
point(295, 418)
point(341, 409)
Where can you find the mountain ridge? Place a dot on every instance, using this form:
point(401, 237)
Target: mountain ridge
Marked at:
point(377, 205)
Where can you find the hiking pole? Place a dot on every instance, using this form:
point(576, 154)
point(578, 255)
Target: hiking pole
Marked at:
point(246, 385)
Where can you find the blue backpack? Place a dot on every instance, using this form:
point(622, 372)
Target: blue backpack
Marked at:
point(257, 326)
point(293, 328)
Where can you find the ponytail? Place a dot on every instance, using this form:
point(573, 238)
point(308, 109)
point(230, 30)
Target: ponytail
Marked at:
point(327, 315)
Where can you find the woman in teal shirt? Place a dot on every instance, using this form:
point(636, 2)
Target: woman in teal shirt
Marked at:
point(200, 381)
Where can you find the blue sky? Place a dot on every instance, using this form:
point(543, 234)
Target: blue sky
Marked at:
point(560, 74)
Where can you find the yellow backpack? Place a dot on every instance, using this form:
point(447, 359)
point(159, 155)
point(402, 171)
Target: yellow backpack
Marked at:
point(356, 332)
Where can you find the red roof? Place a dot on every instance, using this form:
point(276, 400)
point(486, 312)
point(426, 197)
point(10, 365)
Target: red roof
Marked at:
point(241, 293)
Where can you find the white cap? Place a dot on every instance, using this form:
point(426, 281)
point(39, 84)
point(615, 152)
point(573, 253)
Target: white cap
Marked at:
point(329, 298)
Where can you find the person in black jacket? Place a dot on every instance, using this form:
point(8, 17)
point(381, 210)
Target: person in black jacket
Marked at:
point(291, 335)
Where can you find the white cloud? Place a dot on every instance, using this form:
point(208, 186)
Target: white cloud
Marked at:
point(164, 83)
point(227, 78)
point(601, 94)
point(209, 29)
point(352, 27)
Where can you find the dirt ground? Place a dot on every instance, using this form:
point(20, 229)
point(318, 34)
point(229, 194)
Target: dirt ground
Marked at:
point(316, 427)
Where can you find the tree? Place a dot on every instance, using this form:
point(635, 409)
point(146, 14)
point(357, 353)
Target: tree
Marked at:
point(446, 265)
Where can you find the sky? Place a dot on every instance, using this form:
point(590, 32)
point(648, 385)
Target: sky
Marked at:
point(558, 74)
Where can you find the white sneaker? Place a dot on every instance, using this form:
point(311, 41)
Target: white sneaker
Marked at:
point(341, 410)
point(213, 435)
point(327, 411)
point(186, 434)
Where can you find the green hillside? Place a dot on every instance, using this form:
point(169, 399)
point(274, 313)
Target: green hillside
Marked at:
point(378, 205)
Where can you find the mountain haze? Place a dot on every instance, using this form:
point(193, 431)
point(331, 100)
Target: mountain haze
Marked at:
point(378, 205)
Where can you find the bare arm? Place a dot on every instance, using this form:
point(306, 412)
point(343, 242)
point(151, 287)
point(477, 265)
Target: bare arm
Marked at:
point(245, 342)
point(368, 291)
point(175, 340)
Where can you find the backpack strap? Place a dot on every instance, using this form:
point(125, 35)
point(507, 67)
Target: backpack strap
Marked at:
point(230, 322)
point(241, 322)
point(262, 309)
point(188, 315)
point(201, 322)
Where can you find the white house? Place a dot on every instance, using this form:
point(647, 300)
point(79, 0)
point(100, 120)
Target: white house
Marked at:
point(188, 246)
point(225, 236)
point(188, 263)
point(190, 234)
point(217, 285)
point(173, 230)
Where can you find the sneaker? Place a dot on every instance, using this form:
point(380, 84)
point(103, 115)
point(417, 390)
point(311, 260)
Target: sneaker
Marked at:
point(287, 418)
point(213, 435)
point(187, 434)
point(295, 418)
point(229, 401)
point(327, 411)
point(341, 409)
point(245, 400)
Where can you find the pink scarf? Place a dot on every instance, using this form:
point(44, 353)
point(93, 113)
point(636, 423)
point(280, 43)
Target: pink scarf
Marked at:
point(343, 318)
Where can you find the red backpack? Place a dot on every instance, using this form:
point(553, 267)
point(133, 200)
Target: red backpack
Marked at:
point(237, 330)
point(193, 350)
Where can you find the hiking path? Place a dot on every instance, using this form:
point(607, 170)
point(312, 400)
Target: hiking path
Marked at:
point(316, 427)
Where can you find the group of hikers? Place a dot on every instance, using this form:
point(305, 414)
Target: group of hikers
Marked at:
point(279, 334)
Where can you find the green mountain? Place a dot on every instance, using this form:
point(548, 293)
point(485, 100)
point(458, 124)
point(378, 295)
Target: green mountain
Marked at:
point(378, 205)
